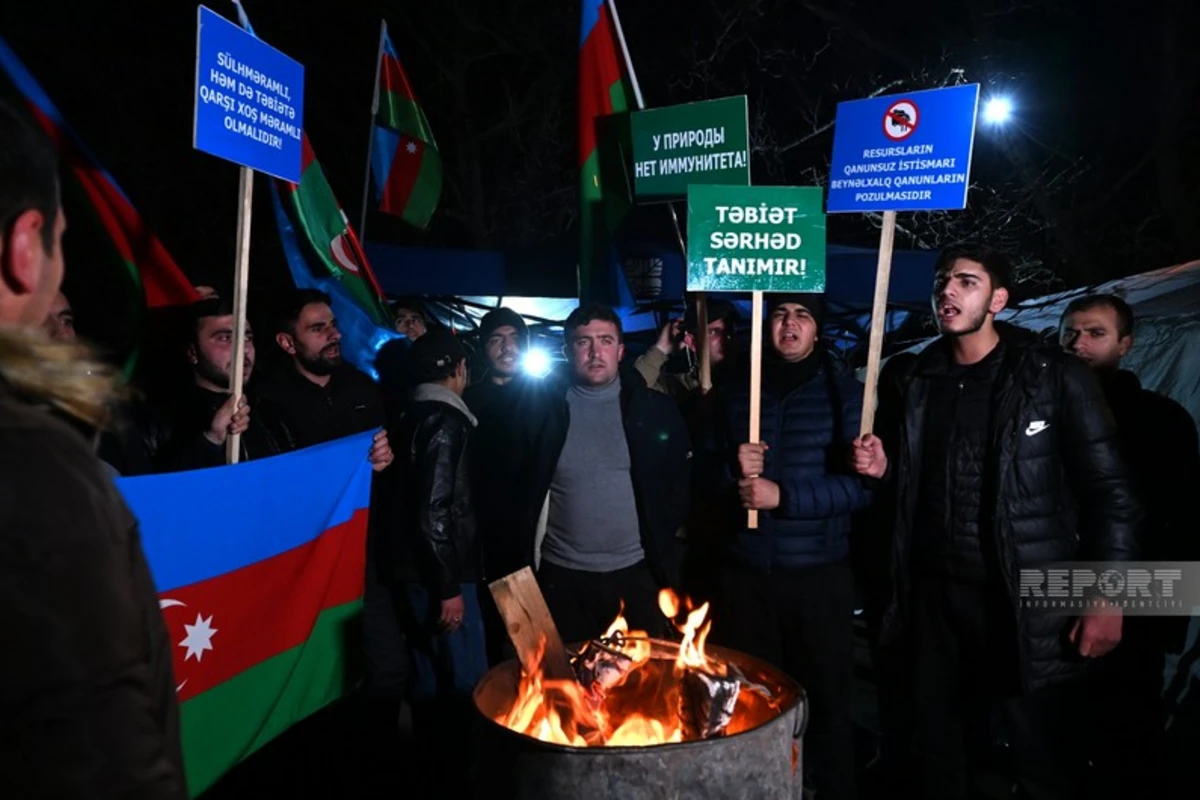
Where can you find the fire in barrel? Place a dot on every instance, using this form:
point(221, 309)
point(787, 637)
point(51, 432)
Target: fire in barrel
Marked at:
point(640, 717)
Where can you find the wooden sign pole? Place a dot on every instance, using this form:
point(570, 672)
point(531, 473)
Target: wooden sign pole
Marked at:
point(702, 344)
point(241, 288)
point(883, 272)
point(756, 355)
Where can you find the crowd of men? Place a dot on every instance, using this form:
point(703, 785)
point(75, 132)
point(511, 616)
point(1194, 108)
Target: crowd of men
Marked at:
point(992, 451)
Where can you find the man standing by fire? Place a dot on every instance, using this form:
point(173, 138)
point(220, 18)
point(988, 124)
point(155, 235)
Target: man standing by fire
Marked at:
point(787, 587)
point(606, 463)
point(427, 552)
point(1003, 457)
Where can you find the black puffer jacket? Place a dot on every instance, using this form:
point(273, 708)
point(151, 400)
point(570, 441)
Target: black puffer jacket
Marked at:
point(431, 538)
point(1056, 488)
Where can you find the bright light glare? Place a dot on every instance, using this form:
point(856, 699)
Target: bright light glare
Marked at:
point(536, 363)
point(997, 110)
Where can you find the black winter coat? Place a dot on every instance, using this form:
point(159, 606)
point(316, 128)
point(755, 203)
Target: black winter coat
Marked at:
point(431, 539)
point(87, 698)
point(188, 448)
point(660, 462)
point(1056, 488)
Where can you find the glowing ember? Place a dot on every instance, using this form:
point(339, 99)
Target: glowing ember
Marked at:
point(631, 696)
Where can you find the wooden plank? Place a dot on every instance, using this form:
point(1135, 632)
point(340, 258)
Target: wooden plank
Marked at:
point(527, 619)
point(241, 289)
point(756, 355)
point(883, 273)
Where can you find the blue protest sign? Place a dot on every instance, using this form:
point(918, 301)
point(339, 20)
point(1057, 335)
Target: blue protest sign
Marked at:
point(249, 99)
point(904, 152)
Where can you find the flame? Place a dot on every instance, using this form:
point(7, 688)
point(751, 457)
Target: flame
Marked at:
point(643, 709)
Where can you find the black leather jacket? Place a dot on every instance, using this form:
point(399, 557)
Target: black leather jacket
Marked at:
point(431, 539)
point(1057, 488)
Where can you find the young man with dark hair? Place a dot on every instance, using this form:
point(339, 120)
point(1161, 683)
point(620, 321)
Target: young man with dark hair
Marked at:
point(1002, 456)
point(87, 699)
point(318, 396)
point(504, 337)
point(787, 587)
point(410, 317)
point(207, 414)
point(1130, 742)
point(605, 466)
point(428, 552)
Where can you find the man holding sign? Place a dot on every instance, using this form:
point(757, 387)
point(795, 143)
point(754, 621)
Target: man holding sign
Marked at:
point(1002, 456)
point(787, 588)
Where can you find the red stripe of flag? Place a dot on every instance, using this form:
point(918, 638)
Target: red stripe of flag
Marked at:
point(307, 156)
point(406, 166)
point(244, 608)
point(598, 71)
point(393, 79)
point(163, 283)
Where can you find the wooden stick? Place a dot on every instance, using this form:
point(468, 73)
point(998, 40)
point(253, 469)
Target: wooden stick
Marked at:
point(519, 600)
point(883, 273)
point(756, 348)
point(241, 287)
point(702, 343)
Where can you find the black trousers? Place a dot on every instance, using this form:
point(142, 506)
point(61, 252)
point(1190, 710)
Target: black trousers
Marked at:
point(584, 604)
point(1129, 745)
point(803, 623)
point(966, 691)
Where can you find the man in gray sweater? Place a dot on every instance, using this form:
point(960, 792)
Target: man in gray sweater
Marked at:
point(608, 466)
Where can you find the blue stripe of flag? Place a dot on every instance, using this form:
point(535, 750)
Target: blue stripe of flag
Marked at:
point(200, 524)
point(383, 153)
point(591, 15)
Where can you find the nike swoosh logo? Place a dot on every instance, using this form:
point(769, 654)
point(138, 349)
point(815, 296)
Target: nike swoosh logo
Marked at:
point(1036, 427)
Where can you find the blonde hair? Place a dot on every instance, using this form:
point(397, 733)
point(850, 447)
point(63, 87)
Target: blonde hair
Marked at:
point(66, 375)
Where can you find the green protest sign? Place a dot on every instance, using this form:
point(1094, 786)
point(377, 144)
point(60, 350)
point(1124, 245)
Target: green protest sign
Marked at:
point(756, 239)
point(706, 142)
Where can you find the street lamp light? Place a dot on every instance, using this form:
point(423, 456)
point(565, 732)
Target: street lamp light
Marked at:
point(997, 110)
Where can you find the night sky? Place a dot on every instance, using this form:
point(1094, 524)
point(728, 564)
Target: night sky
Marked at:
point(1108, 111)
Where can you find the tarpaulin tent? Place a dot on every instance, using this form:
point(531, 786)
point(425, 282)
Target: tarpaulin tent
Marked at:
point(542, 282)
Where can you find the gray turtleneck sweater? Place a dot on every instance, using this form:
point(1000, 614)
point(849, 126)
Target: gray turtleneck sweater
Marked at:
point(593, 525)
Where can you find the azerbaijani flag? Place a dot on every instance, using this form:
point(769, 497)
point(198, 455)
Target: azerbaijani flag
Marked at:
point(404, 157)
point(334, 249)
point(605, 98)
point(103, 219)
point(256, 592)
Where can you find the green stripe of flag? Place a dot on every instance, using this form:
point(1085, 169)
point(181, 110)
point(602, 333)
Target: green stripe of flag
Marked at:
point(404, 115)
point(426, 191)
point(234, 719)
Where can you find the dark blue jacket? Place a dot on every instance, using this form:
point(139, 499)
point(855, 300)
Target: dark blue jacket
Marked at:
point(808, 432)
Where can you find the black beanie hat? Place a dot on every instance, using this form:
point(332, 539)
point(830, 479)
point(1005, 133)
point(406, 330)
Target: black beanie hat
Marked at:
point(435, 355)
point(498, 318)
point(813, 301)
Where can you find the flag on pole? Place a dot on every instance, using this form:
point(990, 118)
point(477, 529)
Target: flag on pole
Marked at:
point(116, 237)
point(404, 157)
point(256, 603)
point(323, 252)
point(605, 98)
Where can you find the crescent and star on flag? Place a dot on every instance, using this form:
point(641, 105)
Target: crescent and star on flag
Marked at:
point(199, 634)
